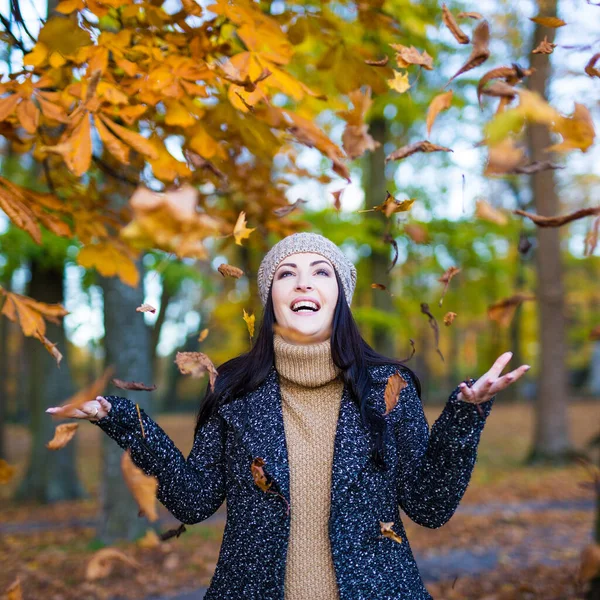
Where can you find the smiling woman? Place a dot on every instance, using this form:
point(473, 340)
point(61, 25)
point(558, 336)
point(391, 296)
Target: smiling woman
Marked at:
point(315, 464)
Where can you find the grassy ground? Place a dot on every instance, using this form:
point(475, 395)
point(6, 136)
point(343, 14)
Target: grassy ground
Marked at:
point(54, 562)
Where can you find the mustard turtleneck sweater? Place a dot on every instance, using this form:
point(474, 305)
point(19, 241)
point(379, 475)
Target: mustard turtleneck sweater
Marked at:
point(311, 392)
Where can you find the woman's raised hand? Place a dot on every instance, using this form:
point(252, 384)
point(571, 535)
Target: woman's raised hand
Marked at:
point(93, 410)
point(490, 383)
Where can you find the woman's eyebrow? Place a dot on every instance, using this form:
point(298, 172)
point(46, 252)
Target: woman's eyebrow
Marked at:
point(312, 264)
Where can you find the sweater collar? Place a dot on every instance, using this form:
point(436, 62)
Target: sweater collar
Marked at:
point(309, 365)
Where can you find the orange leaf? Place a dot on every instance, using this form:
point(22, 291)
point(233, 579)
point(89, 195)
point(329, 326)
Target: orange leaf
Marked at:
point(63, 434)
point(30, 314)
point(230, 271)
point(51, 348)
point(8, 105)
point(7, 471)
point(502, 312)
point(449, 318)
point(437, 105)
point(552, 22)
point(395, 384)
point(386, 531)
point(143, 487)
point(113, 144)
point(110, 260)
point(135, 140)
point(100, 565)
point(17, 208)
point(28, 115)
point(258, 474)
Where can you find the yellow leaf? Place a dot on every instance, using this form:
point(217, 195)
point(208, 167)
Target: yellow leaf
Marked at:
point(56, 60)
point(109, 261)
point(63, 35)
point(486, 211)
point(177, 115)
point(249, 319)
point(135, 140)
point(240, 231)
point(204, 145)
point(28, 115)
point(37, 56)
point(386, 531)
point(29, 314)
point(143, 487)
point(553, 22)
point(111, 93)
point(7, 471)
point(577, 131)
point(66, 7)
point(400, 82)
point(114, 145)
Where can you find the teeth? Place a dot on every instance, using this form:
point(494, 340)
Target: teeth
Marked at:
point(304, 304)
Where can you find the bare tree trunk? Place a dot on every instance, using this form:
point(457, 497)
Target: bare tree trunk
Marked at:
point(51, 476)
point(375, 186)
point(551, 441)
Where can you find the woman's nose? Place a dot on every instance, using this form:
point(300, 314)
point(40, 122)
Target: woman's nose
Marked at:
point(303, 286)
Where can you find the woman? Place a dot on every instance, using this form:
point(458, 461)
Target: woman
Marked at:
point(313, 416)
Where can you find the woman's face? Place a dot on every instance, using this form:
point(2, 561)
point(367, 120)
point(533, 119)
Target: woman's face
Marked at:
point(307, 276)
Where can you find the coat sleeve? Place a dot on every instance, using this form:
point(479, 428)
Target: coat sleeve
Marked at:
point(435, 468)
point(193, 488)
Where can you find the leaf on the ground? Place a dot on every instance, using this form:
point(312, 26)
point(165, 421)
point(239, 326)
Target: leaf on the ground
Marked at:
point(133, 385)
point(249, 320)
point(503, 311)
point(240, 231)
point(102, 562)
point(14, 592)
point(406, 56)
point(395, 384)
point(196, 364)
point(552, 22)
point(485, 211)
point(230, 271)
point(437, 105)
point(421, 146)
point(286, 210)
point(143, 487)
point(459, 35)
point(85, 394)
point(7, 472)
point(590, 67)
point(544, 47)
point(559, 221)
point(446, 278)
point(258, 474)
point(388, 532)
point(63, 434)
point(449, 318)
point(146, 308)
point(150, 540)
point(589, 567)
point(480, 52)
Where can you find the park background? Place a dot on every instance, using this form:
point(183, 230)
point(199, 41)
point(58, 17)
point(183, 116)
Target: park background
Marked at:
point(145, 144)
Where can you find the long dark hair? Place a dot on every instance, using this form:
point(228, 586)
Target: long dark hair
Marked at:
point(349, 351)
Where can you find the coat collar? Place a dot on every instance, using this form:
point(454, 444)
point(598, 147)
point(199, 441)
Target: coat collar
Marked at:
point(257, 419)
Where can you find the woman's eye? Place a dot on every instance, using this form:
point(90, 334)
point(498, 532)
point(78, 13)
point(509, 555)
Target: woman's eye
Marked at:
point(323, 271)
point(283, 273)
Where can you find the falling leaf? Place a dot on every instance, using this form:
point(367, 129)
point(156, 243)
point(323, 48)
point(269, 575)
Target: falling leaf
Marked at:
point(249, 319)
point(417, 233)
point(480, 52)
point(542, 221)
point(240, 231)
point(553, 22)
point(143, 487)
point(504, 157)
point(503, 311)
point(258, 474)
point(485, 211)
point(410, 56)
point(203, 335)
point(390, 205)
point(196, 364)
point(379, 286)
point(446, 278)
point(146, 308)
point(63, 434)
point(400, 82)
point(356, 141)
point(230, 271)
point(524, 244)
point(500, 89)
point(511, 75)
point(286, 210)
point(133, 385)
point(337, 199)
point(378, 63)
point(101, 563)
point(537, 166)
point(437, 105)
point(421, 146)
point(469, 15)
point(395, 384)
point(577, 131)
point(434, 326)
point(7, 471)
point(591, 238)
point(459, 35)
point(52, 349)
point(589, 566)
point(449, 318)
point(386, 531)
point(590, 66)
point(110, 259)
point(544, 47)
point(389, 239)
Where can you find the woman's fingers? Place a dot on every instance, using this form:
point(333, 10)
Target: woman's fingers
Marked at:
point(86, 411)
point(499, 365)
point(506, 380)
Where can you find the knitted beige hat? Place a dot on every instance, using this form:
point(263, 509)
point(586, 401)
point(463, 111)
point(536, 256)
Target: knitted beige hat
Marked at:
point(305, 242)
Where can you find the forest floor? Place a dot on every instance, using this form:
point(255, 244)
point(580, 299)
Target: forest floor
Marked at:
point(517, 535)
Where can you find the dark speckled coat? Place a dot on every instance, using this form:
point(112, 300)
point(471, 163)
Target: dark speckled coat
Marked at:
point(427, 476)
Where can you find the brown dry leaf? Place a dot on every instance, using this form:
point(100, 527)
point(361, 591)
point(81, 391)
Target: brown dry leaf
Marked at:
point(536, 166)
point(203, 335)
point(395, 384)
point(503, 158)
point(542, 221)
point(386, 531)
point(101, 563)
point(52, 349)
point(577, 131)
point(421, 146)
point(7, 472)
point(544, 47)
point(446, 278)
point(378, 63)
point(503, 311)
point(390, 205)
point(290, 334)
point(240, 231)
point(480, 52)
point(146, 308)
point(249, 319)
point(511, 75)
point(591, 238)
point(14, 592)
point(485, 211)
point(500, 89)
point(379, 286)
point(449, 318)
point(230, 271)
point(286, 210)
point(434, 326)
point(459, 35)
point(589, 567)
point(595, 333)
point(150, 540)
point(258, 474)
point(469, 15)
point(417, 233)
point(196, 364)
point(16, 205)
point(133, 385)
point(337, 199)
point(590, 66)
point(143, 487)
point(553, 22)
point(406, 56)
point(436, 106)
point(63, 434)
point(356, 140)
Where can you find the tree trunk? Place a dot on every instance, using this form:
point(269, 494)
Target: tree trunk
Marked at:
point(51, 475)
point(127, 346)
point(375, 186)
point(551, 441)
